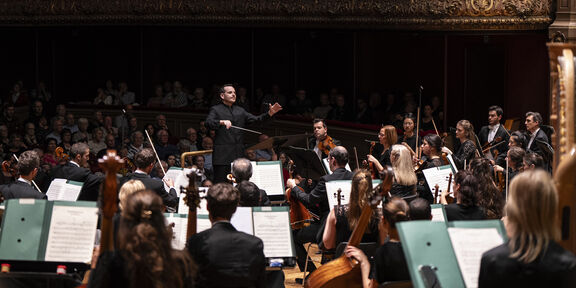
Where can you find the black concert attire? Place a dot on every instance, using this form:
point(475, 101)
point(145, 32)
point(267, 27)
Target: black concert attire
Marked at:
point(315, 201)
point(501, 135)
point(71, 171)
point(554, 267)
point(532, 146)
point(169, 198)
point(411, 141)
point(228, 143)
point(456, 212)
point(406, 192)
point(343, 231)
point(465, 152)
point(227, 257)
point(390, 263)
point(423, 187)
point(20, 189)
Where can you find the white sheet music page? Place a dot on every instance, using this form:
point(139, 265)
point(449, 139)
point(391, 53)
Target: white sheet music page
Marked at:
point(438, 175)
point(72, 233)
point(242, 220)
point(180, 222)
point(469, 244)
point(60, 189)
point(273, 227)
point(438, 214)
point(332, 192)
point(268, 176)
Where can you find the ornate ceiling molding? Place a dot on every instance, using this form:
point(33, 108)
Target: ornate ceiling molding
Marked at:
point(378, 14)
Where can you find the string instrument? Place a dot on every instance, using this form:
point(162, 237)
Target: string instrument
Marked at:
point(345, 272)
point(299, 215)
point(129, 167)
point(372, 169)
point(9, 167)
point(449, 199)
point(60, 155)
point(436, 190)
point(192, 200)
point(326, 145)
point(110, 164)
point(444, 157)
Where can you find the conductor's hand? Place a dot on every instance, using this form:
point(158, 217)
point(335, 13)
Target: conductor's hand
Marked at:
point(169, 182)
point(273, 109)
point(226, 123)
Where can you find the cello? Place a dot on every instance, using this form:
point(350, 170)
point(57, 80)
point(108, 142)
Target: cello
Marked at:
point(345, 272)
point(192, 199)
point(111, 164)
point(300, 217)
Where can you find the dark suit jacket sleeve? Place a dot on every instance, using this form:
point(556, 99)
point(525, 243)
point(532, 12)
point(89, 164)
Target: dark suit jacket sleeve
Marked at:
point(315, 197)
point(213, 120)
point(260, 255)
point(170, 198)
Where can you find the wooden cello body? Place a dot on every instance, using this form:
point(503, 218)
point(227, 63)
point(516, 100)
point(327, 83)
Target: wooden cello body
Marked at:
point(345, 272)
point(299, 215)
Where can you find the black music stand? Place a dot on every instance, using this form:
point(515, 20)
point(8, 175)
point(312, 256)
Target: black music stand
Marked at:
point(307, 163)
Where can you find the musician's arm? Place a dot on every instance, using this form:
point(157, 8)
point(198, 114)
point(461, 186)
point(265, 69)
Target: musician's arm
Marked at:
point(356, 253)
point(329, 237)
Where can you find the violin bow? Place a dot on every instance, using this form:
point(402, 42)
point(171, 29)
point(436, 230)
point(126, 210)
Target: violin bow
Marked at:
point(155, 153)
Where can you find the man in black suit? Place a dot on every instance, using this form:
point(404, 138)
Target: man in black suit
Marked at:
point(533, 122)
point(74, 170)
point(225, 256)
point(144, 162)
point(22, 188)
point(493, 134)
point(229, 143)
point(320, 135)
point(317, 201)
point(242, 171)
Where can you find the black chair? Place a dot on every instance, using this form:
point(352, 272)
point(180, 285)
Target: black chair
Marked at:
point(369, 248)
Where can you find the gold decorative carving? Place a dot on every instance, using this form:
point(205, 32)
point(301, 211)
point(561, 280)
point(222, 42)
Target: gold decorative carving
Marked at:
point(387, 14)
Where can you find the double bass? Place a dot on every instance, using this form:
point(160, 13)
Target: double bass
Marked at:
point(345, 272)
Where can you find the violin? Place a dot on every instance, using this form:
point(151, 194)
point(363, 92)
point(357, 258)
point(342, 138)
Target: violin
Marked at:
point(9, 167)
point(449, 199)
point(370, 166)
point(326, 145)
point(345, 272)
point(60, 155)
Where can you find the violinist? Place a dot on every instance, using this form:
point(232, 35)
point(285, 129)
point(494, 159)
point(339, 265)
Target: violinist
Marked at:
point(517, 139)
point(492, 134)
point(409, 136)
point(405, 179)
point(489, 196)
point(387, 137)
point(466, 193)
point(28, 166)
point(515, 158)
point(432, 149)
point(467, 149)
point(317, 200)
point(321, 143)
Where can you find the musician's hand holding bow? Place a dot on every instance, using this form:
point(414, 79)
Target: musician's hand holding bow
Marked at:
point(226, 123)
point(273, 109)
point(169, 182)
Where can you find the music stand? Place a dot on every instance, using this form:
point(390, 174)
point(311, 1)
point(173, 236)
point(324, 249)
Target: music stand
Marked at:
point(307, 163)
point(280, 141)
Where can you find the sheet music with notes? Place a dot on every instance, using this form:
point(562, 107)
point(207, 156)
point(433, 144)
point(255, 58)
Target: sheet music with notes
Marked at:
point(179, 175)
point(72, 233)
point(64, 190)
point(180, 225)
point(438, 175)
point(438, 212)
point(469, 244)
point(346, 186)
point(268, 175)
point(272, 225)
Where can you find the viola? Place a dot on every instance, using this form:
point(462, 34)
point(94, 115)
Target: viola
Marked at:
point(326, 145)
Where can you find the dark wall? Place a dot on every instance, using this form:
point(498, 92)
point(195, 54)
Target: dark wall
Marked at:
point(470, 72)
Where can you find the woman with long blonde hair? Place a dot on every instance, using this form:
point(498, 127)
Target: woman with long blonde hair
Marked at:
point(343, 220)
point(532, 257)
point(405, 179)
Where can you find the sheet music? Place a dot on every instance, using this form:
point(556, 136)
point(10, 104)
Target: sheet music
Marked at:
point(327, 166)
point(180, 222)
point(202, 223)
point(179, 176)
point(438, 214)
point(242, 220)
point(183, 208)
point(346, 186)
point(452, 163)
point(62, 189)
point(72, 233)
point(268, 176)
point(469, 244)
point(273, 227)
point(440, 176)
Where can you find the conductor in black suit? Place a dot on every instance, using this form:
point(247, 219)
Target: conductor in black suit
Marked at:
point(229, 143)
point(493, 134)
point(74, 170)
point(22, 188)
point(226, 257)
point(317, 201)
point(144, 162)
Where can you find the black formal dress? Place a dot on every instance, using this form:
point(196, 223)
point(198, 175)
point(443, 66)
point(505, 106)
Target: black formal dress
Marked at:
point(465, 153)
point(456, 212)
point(316, 201)
point(91, 186)
point(390, 263)
point(502, 135)
point(343, 231)
point(20, 189)
point(227, 257)
point(228, 143)
point(555, 267)
point(169, 198)
point(411, 141)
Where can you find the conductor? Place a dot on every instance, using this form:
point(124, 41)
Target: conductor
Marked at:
point(226, 118)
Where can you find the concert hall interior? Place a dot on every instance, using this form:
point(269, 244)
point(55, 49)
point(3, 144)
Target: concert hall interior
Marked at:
point(259, 143)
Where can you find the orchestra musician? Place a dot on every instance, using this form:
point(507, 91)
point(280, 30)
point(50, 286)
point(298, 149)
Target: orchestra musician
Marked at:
point(432, 149)
point(467, 149)
point(144, 256)
point(465, 188)
point(229, 143)
point(532, 256)
point(493, 134)
point(74, 170)
point(28, 166)
point(409, 136)
point(515, 158)
point(242, 172)
point(533, 122)
point(387, 137)
point(321, 142)
point(317, 200)
point(489, 196)
point(225, 256)
point(405, 179)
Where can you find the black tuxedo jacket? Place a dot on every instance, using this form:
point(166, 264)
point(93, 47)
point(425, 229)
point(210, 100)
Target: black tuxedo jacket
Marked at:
point(317, 199)
point(227, 257)
point(501, 132)
point(91, 187)
point(19, 189)
point(540, 135)
point(169, 198)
